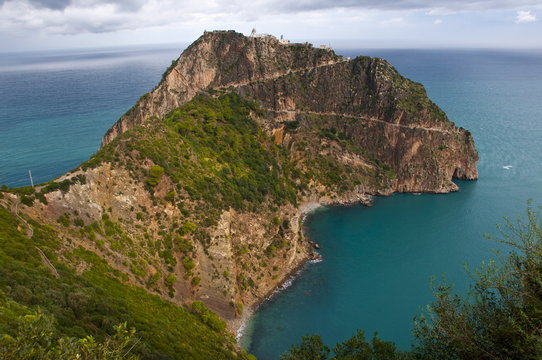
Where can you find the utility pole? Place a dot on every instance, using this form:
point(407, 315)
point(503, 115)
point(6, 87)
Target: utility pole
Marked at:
point(31, 181)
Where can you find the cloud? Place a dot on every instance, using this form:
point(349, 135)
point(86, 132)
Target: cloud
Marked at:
point(437, 21)
point(99, 16)
point(445, 6)
point(525, 16)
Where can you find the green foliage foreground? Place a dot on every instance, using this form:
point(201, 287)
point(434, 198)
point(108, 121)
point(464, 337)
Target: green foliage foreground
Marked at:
point(500, 319)
point(35, 339)
point(355, 348)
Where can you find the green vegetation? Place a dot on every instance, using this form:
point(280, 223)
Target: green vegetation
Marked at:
point(414, 99)
point(313, 348)
point(215, 151)
point(187, 228)
point(502, 316)
point(207, 316)
point(93, 303)
point(155, 173)
point(35, 338)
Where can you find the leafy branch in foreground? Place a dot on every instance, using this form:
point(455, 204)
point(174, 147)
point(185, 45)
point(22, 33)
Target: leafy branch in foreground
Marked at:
point(502, 317)
point(35, 339)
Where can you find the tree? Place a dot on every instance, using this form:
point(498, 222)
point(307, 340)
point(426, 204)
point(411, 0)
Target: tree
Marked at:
point(155, 173)
point(355, 348)
point(311, 348)
point(502, 317)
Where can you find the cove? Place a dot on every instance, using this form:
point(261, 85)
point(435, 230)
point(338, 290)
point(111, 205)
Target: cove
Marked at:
point(378, 261)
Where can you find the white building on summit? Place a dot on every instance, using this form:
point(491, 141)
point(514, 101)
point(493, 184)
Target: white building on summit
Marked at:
point(283, 40)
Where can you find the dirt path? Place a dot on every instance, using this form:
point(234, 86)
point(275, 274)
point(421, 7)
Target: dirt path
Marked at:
point(282, 73)
point(411, 127)
point(47, 262)
point(30, 234)
point(15, 210)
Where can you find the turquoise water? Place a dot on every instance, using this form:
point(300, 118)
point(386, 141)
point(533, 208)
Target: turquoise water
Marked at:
point(378, 261)
point(55, 107)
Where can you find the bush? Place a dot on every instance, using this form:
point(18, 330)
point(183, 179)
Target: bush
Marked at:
point(207, 316)
point(155, 173)
point(188, 263)
point(170, 280)
point(313, 348)
point(170, 196)
point(501, 318)
point(35, 339)
point(187, 228)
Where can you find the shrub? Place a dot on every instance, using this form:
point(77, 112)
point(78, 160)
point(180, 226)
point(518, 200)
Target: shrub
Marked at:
point(501, 319)
point(155, 173)
point(170, 280)
point(187, 228)
point(188, 263)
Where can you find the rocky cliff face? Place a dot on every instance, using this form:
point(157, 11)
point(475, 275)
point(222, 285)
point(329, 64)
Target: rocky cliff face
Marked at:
point(197, 189)
point(220, 59)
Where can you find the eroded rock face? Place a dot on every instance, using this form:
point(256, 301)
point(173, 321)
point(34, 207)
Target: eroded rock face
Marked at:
point(349, 129)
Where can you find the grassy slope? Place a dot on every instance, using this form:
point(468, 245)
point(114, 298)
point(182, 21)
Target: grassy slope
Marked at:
point(92, 303)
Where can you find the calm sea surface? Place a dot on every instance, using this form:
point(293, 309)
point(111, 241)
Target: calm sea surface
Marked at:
point(55, 107)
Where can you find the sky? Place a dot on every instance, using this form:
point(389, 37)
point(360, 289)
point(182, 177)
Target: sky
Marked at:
point(27, 25)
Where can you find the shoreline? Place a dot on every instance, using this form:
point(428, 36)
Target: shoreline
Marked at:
point(239, 326)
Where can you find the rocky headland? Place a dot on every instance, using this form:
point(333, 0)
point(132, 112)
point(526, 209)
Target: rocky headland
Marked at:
point(199, 190)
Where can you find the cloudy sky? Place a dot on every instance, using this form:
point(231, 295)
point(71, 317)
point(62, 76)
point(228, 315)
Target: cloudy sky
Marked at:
point(55, 24)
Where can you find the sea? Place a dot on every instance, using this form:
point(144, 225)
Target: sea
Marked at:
point(378, 263)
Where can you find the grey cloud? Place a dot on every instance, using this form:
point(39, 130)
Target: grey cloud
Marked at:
point(310, 5)
point(49, 4)
point(123, 5)
point(128, 14)
point(445, 5)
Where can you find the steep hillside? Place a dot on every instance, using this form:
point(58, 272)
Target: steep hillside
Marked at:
point(52, 271)
point(197, 192)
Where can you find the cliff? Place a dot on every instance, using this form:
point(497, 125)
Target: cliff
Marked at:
point(197, 190)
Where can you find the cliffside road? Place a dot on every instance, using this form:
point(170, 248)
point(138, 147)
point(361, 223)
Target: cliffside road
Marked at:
point(30, 234)
point(283, 73)
point(366, 119)
point(47, 263)
point(15, 210)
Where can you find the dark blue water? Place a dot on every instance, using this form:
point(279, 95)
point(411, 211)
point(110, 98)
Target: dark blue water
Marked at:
point(378, 261)
point(55, 107)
